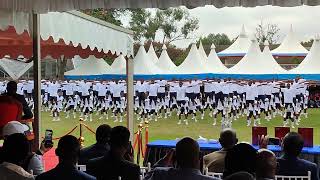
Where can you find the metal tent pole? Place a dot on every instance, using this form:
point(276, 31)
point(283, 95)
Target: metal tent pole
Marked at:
point(36, 77)
point(130, 101)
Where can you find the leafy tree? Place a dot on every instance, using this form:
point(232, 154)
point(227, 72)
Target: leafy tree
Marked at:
point(269, 32)
point(175, 24)
point(216, 39)
point(110, 15)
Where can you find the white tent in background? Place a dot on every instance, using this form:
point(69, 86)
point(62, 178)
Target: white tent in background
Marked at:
point(152, 54)
point(165, 63)
point(239, 48)
point(290, 46)
point(14, 68)
point(119, 65)
point(193, 64)
point(90, 66)
point(250, 63)
point(268, 63)
point(214, 64)
point(257, 62)
point(143, 65)
point(311, 64)
point(202, 51)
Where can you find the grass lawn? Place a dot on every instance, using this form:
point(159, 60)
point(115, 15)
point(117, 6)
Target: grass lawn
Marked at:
point(168, 128)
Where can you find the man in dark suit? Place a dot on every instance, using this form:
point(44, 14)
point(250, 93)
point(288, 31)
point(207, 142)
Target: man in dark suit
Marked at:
point(12, 92)
point(290, 164)
point(100, 148)
point(68, 152)
point(113, 165)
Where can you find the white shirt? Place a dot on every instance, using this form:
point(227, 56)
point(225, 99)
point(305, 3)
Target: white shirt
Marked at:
point(181, 93)
point(153, 89)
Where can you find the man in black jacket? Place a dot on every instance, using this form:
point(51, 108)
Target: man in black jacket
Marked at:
point(12, 92)
point(100, 148)
point(113, 165)
point(68, 153)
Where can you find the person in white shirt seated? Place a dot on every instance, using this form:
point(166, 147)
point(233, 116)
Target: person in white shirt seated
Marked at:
point(187, 161)
point(15, 151)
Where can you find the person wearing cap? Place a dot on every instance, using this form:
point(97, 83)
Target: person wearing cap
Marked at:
point(12, 92)
point(33, 162)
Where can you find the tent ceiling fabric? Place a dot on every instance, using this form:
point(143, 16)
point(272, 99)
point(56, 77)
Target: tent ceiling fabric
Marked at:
point(76, 29)
point(43, 6)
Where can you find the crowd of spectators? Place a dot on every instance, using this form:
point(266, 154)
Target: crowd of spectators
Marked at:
point(111, 157)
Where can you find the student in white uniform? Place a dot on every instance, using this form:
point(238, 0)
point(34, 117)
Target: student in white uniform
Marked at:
point(181, 102)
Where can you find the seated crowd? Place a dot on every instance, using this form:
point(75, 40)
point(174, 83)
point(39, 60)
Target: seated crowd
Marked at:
point(111, 157)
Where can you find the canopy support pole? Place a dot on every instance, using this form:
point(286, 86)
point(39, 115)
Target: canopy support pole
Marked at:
point(130, 100)
point(36, 78)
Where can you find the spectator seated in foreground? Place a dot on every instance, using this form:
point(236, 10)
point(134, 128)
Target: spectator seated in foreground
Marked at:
point(266, 165)
point(100, 148)
point(242, 157)
point(290, 164)
point(15, 150)
point(114, 164)
point(68, 151)
point(240, 176)
point(33, 161)
point(187, 160)
point(215, 160)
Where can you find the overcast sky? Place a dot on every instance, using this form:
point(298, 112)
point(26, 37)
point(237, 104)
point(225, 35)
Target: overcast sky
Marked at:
point(305, 20)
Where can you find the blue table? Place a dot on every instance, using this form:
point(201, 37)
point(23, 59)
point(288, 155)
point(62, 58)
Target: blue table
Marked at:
point(157, 149)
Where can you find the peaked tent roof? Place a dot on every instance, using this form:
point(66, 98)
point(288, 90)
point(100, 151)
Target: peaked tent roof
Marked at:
point(214, 63)
point(239, 48)
point(165, 63)
point(311, 63)
point(202, 51)
point(152, 54)
point(249, 63)
point(14, 68)
point(119, 65)
point(90, 66)
point(269, 64)
point(290, 46)
point(143, 65)
point(193, 64)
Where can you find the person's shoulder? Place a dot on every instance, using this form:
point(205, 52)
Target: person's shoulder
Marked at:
point(307, 163)
point(204, 177)
point(85, 176)
point(131, 164)
point(46, 176)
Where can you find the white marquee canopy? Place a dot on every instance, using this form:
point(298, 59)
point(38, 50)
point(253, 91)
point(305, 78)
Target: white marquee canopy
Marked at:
point(165, 63)
point(290, 46)
point(143, 65)
point(152, 54)
point(311, 63)
point(239, 48)
point(214, 64)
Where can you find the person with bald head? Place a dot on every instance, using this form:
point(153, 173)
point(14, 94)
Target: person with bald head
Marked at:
point(215, 160)
point(187, 161)
point(266, 165)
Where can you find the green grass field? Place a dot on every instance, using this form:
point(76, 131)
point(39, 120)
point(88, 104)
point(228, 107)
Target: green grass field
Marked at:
point(168, 128)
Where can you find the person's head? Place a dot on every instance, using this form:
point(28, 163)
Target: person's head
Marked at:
point(228, 138)
point(14, 127)
point(15, 148)
point(242, 157)
point(119, 139)
point(240, 176)
point(12, 87)
point(266, 165)
point(187, 153)
point(68, 149)
point(292, 144)
point(103, 134)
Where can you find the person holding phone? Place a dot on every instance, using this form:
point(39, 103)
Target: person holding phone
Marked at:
point(34, 161)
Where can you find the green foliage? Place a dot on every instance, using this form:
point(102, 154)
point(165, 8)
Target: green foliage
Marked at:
point(269, 32)
point(216, 39)
point(111, 15)
point(175, 24)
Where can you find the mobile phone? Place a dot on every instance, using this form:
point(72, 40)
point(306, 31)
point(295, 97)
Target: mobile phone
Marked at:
point(48, 138)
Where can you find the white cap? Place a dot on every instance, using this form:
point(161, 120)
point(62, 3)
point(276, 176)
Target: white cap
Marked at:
point(14, 127)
